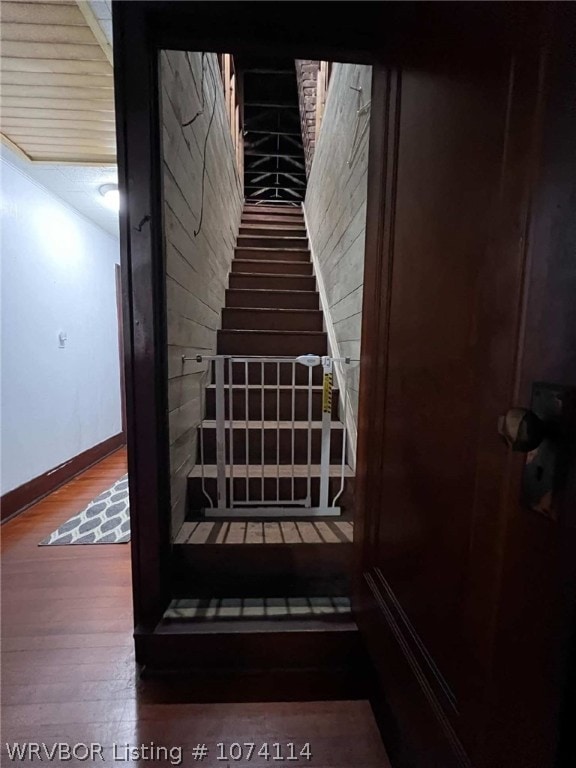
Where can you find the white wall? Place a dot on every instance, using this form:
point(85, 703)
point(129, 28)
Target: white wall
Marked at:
point(335, 209)
point(197, 266)
point(57, 274)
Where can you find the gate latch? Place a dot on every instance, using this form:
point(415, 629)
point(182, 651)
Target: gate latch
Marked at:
point(310, 360)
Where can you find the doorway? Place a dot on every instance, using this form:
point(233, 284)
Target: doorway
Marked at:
point(264, 173)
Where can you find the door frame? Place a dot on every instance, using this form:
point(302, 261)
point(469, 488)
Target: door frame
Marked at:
point(141, 30)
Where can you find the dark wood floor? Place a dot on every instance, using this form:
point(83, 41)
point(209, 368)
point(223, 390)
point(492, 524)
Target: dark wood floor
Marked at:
point(68, 670)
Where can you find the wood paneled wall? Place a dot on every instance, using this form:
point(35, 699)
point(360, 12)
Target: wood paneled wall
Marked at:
point(202, 207)
point(336, 209)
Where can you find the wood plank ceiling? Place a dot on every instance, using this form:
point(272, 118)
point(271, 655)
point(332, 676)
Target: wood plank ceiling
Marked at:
point(57, 95)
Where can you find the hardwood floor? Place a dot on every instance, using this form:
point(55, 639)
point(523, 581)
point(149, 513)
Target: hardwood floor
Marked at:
point(68, 672)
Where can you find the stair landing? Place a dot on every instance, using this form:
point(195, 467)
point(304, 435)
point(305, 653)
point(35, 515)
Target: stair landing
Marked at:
point(271, 533)
point(262, 614)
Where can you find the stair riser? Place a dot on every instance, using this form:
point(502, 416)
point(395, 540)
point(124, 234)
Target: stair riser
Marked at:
point(272, 210)
point(269, 219)
point(270, 344)
point(270, 371)
point(273, 400)
point(322, 569)
point(284, 661)
point(273, 230)
point(272, 440)
point(263, 254)
point(197, 500)
point(250, 241)
point(277, 299)
point(272, 282)
point(259, 266)
point(271, 320)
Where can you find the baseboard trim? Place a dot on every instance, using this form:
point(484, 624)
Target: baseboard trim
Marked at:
point(16, 501)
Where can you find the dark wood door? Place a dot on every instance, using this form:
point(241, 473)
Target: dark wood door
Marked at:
point(465, 596)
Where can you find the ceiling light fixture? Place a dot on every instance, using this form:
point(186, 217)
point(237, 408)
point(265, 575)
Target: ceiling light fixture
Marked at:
point(110, 196)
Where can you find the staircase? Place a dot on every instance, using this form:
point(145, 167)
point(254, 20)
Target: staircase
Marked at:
point(272, 309)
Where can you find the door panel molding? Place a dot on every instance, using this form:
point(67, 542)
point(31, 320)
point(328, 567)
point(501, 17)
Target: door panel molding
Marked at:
point(411, 693)
point(412, 643)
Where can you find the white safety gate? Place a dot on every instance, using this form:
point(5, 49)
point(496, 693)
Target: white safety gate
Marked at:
point(243, 400)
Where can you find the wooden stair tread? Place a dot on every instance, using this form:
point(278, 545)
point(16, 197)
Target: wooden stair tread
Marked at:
point(259, 298)
point(292, 239)
point(240, 471)
point(274, 249)
point(267, 424)
point(278, 626)
point(271, 281)
point(278, 261)
point(271, 230)
point(283, 310)
point(274, 290)
point(275, 226)
point(269, 274)
point(272, 387)
point(213, 610)
point(271, 318)
point(282, 533)
point(261, 331)
point(273, 209)
point(296, 222)
point(270, 249)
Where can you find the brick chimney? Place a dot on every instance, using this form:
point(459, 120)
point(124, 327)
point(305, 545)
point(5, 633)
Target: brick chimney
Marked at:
point(307, 80)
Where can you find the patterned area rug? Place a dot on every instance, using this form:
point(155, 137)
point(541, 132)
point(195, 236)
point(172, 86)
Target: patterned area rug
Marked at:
point(106, 520)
